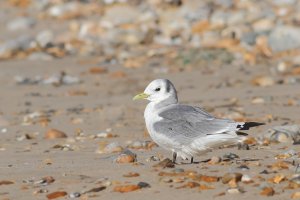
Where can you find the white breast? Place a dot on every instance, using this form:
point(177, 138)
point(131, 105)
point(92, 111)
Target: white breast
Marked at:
point(151, 116)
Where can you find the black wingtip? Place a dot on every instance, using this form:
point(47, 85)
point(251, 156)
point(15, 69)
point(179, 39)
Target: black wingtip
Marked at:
point(249, 125)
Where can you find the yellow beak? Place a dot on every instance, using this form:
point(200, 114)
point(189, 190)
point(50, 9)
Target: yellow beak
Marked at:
point(141, 96)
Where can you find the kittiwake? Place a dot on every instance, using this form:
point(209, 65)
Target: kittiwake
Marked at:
point(185, 130)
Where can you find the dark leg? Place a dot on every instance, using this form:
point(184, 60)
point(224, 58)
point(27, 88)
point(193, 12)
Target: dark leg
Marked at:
point(192, 160)
point(174, 157)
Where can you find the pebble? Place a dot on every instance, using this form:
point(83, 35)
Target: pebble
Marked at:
point(40, 191)
point(62, 9)
point(234, 191)
point(126, 156)
point(215, 160)
point(113, 147)
point(22, 43)
point(283, 38)
point(243, 146)
point(246, 179)
point(56, 194)
point(45, 181)
point(263, 81)
point(54, 134)
point(267, 191)
point(295, 195)
point(231, 176)
point(166, 163)
point(230, 156)
point(296, 179)
point(126, 188)
point(104, 135)
point(284, 134)
point(74, 195)
point(258, 100)
point(21, 23)
point(152, 158)
point(45, 38)
point(143, 185)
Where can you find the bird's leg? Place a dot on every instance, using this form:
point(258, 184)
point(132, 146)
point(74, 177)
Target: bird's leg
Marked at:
point(192, 160)
point(174, 157)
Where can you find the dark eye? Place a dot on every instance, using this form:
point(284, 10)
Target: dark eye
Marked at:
point(157, 89)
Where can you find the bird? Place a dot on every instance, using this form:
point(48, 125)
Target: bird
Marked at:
point(185, 130)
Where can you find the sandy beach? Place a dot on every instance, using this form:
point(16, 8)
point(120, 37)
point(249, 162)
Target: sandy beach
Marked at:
point(88, 97)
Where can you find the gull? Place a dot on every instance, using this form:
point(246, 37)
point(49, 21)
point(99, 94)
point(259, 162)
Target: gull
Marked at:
point(185, 130)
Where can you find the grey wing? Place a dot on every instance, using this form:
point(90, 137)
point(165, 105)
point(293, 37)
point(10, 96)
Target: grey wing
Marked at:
point(186, 123)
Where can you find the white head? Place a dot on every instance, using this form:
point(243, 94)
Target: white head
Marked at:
point(159, 90)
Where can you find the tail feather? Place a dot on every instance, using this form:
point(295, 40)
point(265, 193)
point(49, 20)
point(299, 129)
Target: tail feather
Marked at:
point(248, 125)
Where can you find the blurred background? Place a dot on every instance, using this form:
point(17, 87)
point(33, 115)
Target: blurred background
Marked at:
point(135, 33)
point(69, 69)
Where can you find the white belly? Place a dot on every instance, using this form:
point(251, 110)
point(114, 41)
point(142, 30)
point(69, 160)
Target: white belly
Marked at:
point(151, 116)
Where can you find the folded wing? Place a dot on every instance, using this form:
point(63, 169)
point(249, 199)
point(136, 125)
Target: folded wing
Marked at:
point(187, 123)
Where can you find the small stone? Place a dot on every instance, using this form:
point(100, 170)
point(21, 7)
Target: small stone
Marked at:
point(57, 194)
point(243, 167)
point(190, 185)
point(21, 43)
point(296, 180)
point(246, 179)
point(97, 70)
point(126, 188)
point(283, 38)
point(234, 191)
point(230, 156)
point(126, 157)
point(74, 195)
point(63, 9)
point(166, 163)
point(277, 178)
point(143, 185)
point(45, 181)
point(263, 81)
point(231, 176)
point(284, 134)
point(243, 146)
point(6, 182)
point(118, 74)
point(295, 195)
point(258, 100)
point(113, 147)
point(131, 174)
point(267, 191)
point(167, 180)
point(97, 189)
point(21, 23)
point(45, 38)
point(214, 160)
point(136, 145)
point(40, 191)
point(104, 135)
point(152, 158)
point(209, 179)
point(54, 134)
point(206, 187)
point(179, 180)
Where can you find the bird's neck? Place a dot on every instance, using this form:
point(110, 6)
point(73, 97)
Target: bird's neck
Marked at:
point(164, 103)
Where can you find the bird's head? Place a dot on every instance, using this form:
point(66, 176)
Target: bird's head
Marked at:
point(159, 90)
